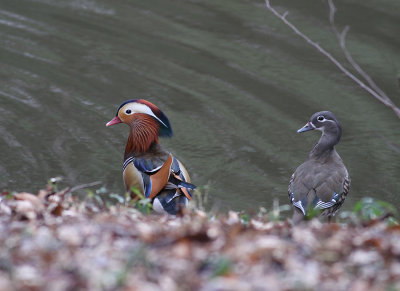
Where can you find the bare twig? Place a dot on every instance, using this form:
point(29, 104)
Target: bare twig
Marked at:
point(371, 89)
point(341, 37)
point(390, 144)
point(82, 186)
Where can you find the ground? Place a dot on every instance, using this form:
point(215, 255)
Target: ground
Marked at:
point(55, 241)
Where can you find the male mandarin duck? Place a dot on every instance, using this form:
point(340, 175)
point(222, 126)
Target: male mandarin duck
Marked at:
point(322, 181)
point(148, 167)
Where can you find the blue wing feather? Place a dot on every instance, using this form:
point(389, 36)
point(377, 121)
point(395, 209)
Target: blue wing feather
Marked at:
point(147, 184)
point(170, 198)
point(180, 183)
point(146, 165)
point(175, 167)
point(170, 202)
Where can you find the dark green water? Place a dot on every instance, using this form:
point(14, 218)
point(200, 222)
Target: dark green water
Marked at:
point(235, 83)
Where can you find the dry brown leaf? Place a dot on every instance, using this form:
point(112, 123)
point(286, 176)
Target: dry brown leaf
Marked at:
point(33, 199)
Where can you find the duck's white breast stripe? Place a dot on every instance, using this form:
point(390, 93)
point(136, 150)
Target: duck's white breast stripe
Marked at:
point(127, 162)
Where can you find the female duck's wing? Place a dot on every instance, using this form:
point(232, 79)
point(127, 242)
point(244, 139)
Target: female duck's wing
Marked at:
point(328, 193)
point(300, 190)
point(332, 194)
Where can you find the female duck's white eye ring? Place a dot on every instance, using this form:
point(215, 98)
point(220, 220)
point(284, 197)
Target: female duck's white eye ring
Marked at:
point(128, 111)
point(321, 118)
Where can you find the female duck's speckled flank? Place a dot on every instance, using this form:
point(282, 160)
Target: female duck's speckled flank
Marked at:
point(322, 182)
point(148, 167)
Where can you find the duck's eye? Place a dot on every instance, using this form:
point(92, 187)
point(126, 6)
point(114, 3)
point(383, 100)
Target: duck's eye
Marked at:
point(128, 111)
point(321, 118)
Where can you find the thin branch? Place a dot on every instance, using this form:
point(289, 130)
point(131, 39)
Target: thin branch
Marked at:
point(390, 144)
point(341, 37)
point(384, 99)
point(82, 186)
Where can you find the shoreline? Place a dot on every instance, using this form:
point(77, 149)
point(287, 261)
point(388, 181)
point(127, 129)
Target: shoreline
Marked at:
point(53, 241)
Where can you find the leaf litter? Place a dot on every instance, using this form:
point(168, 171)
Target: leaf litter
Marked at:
point(56, 241)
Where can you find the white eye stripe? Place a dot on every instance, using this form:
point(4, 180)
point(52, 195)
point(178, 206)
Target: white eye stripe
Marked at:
point(323, 119)
point(141, 108)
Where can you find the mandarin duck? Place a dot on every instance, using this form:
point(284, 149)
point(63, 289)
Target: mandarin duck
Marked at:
point(148, 167)
point(322, 181)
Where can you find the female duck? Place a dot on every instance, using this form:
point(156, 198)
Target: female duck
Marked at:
point(322, 181)
point(148, 167)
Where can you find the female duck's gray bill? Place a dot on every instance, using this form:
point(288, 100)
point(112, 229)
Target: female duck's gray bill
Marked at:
point(307, 127)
